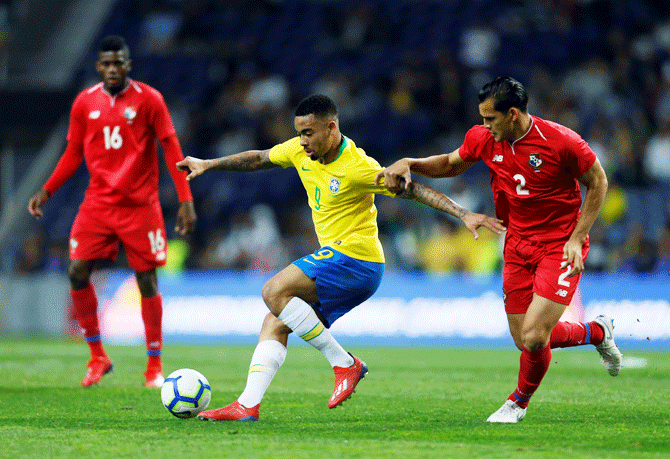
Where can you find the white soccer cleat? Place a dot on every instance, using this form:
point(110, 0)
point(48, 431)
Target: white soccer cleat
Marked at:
point(510, 412)
point(609, 353)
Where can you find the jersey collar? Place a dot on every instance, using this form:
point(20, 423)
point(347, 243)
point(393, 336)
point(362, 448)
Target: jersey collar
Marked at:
point(343, 145)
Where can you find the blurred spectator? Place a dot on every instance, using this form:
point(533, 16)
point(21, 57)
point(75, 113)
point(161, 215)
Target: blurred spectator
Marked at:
point(252, 243)
point(31, 255)
point(159, 29)
point(479, 45)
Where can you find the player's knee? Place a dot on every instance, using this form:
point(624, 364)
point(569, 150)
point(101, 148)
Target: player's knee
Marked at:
point(147, 282)
point(271, 293)
point(79, 275)
point(534, 341)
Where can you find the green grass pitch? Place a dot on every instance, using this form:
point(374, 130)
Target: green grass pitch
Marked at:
point(414, 403)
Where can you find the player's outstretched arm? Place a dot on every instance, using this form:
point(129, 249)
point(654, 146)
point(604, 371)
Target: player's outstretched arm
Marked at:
point(398, 175)
point(247, 161)
point(437, 200)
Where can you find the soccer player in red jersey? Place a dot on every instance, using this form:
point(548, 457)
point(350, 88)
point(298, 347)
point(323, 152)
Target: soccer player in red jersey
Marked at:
point(113, 128)
point(536, 166)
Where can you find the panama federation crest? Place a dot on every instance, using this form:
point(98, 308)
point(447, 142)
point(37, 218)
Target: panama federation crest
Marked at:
point(129, 114)
point(334, 185)
point(535, 161)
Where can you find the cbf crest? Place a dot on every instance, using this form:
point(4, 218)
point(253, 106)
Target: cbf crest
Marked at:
point(535, 161)
point(334, 185)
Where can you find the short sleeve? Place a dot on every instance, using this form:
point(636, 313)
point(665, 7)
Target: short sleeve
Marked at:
point(365, 178)
point(580, 157)
point(283, 154)
point(470, 150)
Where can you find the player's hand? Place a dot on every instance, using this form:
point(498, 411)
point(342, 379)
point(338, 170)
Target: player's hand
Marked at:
point(194, 166)
point(36, 202)
point(572, 256)
point(473, 221)
point(186, 218)
point(396, 177)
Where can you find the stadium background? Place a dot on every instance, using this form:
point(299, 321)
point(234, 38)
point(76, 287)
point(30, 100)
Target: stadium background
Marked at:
point(405, 75)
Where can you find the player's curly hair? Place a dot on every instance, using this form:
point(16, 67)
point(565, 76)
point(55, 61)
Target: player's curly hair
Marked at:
point(317, 104)
point(113, 43)
point(506, 92)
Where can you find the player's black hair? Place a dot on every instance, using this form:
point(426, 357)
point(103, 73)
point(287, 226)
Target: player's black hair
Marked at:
point(114, 43)
point(506, 92)
point(318, 105)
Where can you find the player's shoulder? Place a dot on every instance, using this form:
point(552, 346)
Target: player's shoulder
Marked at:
point(354, 152)
point(291, 145)
point(288, 148)
point(478, 133)
point(90, 91)
point(554, 130)
point(145, 90)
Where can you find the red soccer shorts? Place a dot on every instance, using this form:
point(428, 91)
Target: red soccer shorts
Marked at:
point(535, 267)
point(97, 231)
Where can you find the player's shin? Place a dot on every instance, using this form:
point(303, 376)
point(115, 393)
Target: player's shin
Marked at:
point(85, 304)
point(301, 318)
point(569, 334)
point(152, 316)
point(533, 365)
point(268, 357)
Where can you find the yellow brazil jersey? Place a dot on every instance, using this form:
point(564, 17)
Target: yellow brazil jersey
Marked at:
point(341, 196)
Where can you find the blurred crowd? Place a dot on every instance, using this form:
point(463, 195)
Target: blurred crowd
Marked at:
point(405, 76)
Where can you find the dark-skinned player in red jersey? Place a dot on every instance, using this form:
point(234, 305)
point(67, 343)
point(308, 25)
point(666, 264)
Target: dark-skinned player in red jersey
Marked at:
point(114, 126)
point(535, 166)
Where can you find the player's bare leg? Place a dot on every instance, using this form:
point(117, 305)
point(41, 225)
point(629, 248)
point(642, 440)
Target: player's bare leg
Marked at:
point(152, 317)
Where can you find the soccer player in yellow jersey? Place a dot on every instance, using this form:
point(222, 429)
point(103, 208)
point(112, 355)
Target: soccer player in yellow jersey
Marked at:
point(307, 296)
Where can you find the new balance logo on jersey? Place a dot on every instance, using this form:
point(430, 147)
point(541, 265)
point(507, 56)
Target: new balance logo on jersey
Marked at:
point(497, 158)
point(562, 293)
point(94, 115)
point(340, 388)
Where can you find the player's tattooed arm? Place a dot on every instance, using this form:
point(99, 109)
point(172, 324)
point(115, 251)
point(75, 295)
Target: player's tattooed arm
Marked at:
point(433, 198)
point(437, 200)
point(247, 161)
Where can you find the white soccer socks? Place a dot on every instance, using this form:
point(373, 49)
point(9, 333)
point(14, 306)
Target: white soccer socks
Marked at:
point(301, 318)
point(266, 361)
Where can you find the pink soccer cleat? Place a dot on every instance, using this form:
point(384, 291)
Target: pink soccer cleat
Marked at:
point(346, 379)
point(97, 368)
point(233, 412)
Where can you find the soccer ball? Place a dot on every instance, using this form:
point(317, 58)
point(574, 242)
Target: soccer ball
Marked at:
point(185, 393)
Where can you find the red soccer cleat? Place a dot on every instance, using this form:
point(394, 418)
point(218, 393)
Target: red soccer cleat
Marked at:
point(346, 379)
point(97, 368)
point(153, 377)
point(233, 412)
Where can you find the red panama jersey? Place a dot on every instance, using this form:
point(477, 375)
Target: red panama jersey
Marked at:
point(534, 178)
point(118, 135)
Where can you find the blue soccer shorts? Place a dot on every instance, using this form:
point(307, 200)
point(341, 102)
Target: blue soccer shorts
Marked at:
point(342, 282)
